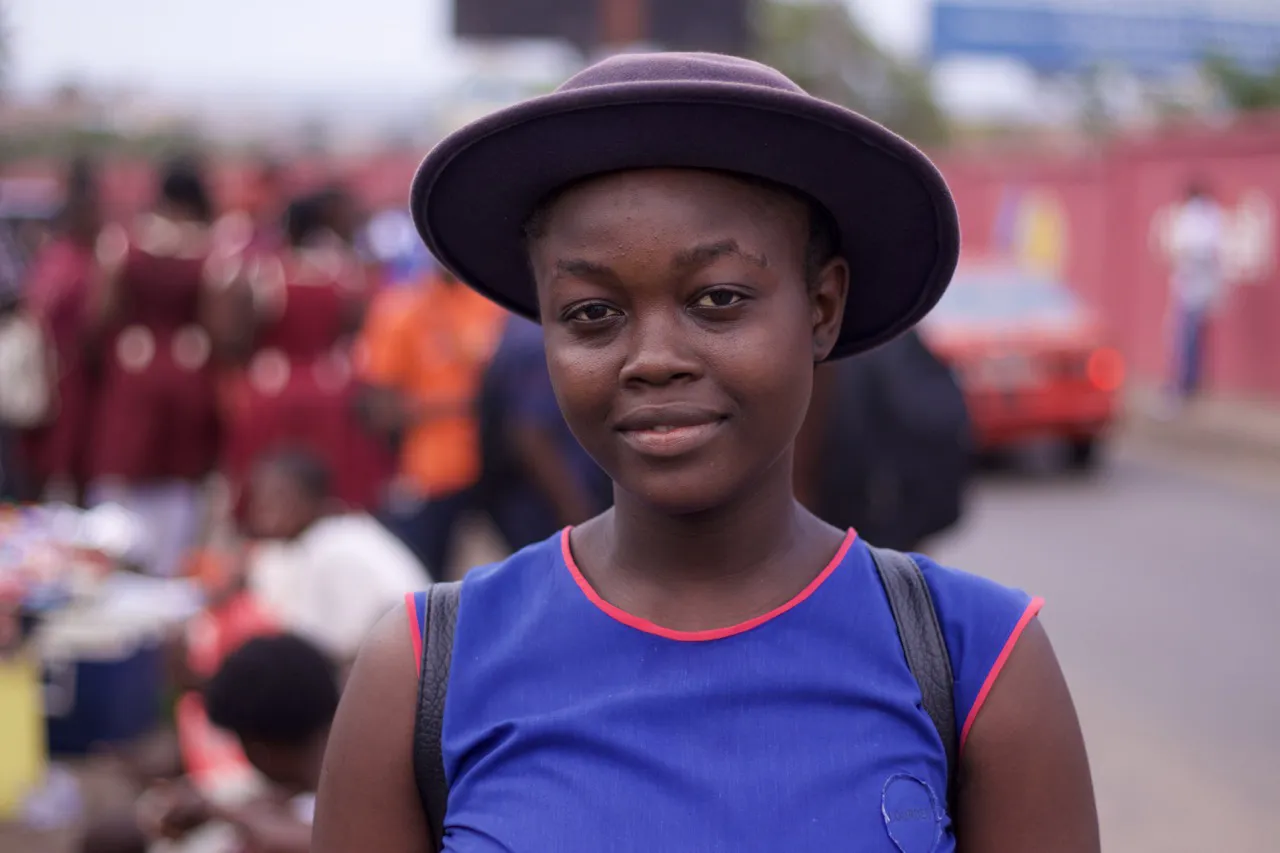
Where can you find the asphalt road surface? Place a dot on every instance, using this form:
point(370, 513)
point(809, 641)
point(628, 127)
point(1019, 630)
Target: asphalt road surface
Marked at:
point(1162, 579)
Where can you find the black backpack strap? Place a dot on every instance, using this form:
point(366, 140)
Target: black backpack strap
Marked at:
point(924, 646)
point(439, 618)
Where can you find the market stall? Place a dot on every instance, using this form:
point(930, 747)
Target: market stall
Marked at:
point(81, 663)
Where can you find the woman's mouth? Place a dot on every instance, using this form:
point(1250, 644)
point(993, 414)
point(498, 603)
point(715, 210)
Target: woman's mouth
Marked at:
point(670, 440)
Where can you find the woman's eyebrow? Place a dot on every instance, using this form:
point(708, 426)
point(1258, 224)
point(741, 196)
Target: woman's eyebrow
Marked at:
point(581, 268)
point(699, 256)
point(685, 260)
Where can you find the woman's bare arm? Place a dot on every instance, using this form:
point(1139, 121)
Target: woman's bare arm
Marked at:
point(1025, 781)
point(368, 799)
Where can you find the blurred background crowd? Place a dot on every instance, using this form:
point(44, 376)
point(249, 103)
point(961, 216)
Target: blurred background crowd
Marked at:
point(228, 366)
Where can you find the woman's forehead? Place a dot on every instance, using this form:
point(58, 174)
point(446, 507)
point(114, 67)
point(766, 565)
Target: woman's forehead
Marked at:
point(633, 184)
point(679, 199)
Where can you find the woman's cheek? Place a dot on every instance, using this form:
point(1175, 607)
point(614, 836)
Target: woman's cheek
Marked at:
point(584, 389)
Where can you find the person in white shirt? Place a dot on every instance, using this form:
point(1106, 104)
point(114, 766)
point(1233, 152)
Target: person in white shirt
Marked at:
point(1196, 284)
point(327, 577)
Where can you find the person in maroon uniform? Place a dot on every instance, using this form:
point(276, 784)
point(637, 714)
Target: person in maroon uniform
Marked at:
point(55, 297)
point(155, 431)
point(298, 391)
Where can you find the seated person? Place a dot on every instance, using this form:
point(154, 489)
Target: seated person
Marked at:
point(325, 576)
point(277, 695)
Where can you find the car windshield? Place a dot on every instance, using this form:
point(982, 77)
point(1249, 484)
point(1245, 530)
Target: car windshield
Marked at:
point(1004, 299)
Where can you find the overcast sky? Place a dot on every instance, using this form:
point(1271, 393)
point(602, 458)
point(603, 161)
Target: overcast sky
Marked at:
point(286, 46)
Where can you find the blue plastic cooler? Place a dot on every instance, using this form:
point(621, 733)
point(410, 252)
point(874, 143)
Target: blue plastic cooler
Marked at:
point(103, 681)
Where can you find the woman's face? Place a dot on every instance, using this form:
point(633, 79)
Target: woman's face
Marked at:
point(680, 333)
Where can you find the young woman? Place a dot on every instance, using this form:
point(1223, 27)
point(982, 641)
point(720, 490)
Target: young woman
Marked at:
point(706, 666)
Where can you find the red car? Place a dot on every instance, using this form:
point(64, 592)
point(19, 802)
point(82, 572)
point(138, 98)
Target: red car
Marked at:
point(1031, 359)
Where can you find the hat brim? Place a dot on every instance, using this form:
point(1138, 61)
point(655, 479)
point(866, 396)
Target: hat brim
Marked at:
point(895, 218)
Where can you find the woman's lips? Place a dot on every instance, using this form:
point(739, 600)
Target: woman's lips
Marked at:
point(670, 440)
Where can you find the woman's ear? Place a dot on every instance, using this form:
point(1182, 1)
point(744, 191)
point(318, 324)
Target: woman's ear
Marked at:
point(827, 295)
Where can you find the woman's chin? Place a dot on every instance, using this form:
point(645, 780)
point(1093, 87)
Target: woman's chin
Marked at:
point(676, 496)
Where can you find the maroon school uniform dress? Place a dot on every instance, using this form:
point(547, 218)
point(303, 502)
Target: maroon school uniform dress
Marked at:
point(57, 296)
point(156, 410)
point(299, 389)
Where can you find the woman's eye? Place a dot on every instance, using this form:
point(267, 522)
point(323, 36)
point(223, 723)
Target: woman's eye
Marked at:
point(719, 299)
point(593, 312)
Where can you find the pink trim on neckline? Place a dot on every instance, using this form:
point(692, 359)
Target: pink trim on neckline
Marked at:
point(620, 615)
point(1027, 615)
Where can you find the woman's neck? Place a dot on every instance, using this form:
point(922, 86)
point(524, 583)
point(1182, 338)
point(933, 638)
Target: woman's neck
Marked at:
point(706, 570)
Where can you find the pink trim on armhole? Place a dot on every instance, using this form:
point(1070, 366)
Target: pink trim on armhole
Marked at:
point(416, 630)
point(1027, 615)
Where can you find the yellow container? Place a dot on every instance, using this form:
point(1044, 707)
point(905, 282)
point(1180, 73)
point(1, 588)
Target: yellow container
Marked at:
point(23, 755)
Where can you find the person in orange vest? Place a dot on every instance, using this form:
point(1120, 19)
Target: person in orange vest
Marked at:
point(421, 356)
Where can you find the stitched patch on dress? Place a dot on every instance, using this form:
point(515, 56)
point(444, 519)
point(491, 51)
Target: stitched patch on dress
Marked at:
point(911, 814)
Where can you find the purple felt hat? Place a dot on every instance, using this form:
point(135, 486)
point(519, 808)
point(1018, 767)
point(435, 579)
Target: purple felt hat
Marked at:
point(894, 215)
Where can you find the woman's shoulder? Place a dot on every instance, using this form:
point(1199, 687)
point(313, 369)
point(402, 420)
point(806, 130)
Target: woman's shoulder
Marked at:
point(493, 594)
point(964, 596)
point(982, 621)
point(511, 574)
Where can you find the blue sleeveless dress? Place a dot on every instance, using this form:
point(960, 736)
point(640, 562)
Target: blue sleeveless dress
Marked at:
point(573, 726)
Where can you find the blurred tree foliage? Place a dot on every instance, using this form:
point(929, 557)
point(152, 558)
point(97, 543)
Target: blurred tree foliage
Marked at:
point(1242, 89)
point(820, 46)
point(61, 143)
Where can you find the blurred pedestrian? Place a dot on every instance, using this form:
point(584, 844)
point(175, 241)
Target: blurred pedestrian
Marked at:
point(421, 358)
point(298, 563)
point(321, 572)
point(57, 298)
point(154, 431)
point(297, 388)
point(1196, 285)
point(535, 476)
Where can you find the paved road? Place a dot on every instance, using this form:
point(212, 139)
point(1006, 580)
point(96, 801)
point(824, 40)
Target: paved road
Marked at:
point(1162, 576)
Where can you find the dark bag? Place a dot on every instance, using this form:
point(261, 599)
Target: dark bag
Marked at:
point(898, 449)
point(921, 636)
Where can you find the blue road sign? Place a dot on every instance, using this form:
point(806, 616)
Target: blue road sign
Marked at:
point(1054, 38)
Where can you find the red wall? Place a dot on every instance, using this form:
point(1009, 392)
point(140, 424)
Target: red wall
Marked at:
point(1108, 201)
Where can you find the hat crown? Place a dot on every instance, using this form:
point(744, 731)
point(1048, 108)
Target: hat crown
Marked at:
point(648, 68)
